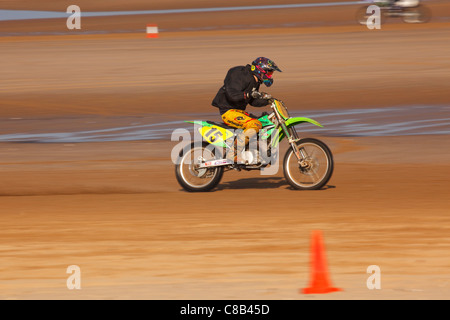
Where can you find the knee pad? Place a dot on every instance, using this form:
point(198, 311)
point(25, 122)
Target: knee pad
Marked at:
point(253, 124)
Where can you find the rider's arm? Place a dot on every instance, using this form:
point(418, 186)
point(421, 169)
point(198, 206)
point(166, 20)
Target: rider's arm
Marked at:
point(259, 102)
point(235, 87)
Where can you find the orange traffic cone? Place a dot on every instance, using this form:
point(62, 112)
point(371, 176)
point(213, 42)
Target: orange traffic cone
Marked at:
point(320, 282)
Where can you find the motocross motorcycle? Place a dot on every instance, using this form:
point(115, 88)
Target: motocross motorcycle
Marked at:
point(419, 14)
point(307, 165)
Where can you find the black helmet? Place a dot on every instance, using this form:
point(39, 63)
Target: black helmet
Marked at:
point(263, 69)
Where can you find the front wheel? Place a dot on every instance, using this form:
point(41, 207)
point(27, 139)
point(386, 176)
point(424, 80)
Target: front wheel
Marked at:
point(315, 168)
point(189, 173)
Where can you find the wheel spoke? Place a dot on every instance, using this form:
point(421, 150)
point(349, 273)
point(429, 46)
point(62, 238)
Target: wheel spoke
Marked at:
point(316, 169)
point(194, 176)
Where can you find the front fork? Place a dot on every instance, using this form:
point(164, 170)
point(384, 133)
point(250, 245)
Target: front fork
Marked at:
point(292, 136)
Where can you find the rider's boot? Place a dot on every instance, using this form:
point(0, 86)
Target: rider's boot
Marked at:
point(240, 147)
point(243, 143)
point(231, 154)
point(234, 153)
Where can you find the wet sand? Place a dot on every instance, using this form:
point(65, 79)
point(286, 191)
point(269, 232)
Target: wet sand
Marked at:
point(116, 210)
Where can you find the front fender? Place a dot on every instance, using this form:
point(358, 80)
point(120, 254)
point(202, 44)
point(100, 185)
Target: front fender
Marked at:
point(294, 121)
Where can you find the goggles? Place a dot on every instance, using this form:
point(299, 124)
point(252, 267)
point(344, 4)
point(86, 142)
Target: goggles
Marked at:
point(268, 73)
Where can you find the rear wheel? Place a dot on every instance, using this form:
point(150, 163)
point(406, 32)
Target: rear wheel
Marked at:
point(363, 17)
point(315, 168)
point(190, 175)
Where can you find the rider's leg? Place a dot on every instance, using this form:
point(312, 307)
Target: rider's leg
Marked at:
point(240, 119)
point(251, 129)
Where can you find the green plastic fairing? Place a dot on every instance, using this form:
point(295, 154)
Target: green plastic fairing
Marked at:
point(294, 121)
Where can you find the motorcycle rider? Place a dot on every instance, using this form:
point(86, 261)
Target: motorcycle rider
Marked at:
point(406, 3)
point(241, 87)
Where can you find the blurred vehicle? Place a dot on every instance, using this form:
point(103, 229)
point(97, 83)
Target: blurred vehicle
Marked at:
point(410, 11)
point(308, 162)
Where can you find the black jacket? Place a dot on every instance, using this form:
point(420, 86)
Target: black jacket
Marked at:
point(237, 89)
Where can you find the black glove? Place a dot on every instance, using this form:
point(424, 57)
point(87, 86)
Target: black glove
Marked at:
point(261, 95)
